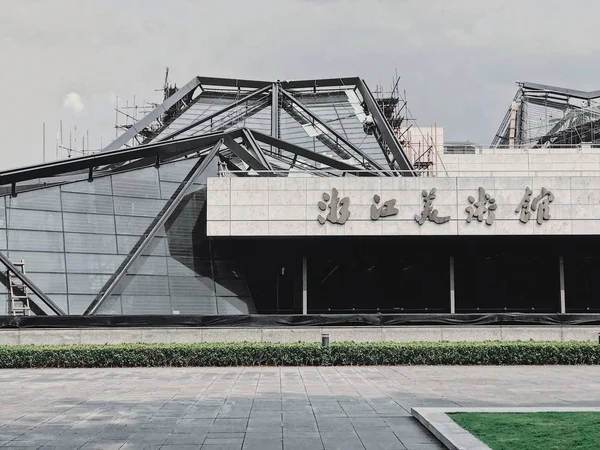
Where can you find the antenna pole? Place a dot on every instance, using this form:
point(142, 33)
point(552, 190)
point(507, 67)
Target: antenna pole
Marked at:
point(44, 141)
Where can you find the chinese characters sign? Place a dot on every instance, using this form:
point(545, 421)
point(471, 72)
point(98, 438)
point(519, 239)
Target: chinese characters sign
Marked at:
point(388, 208)
point(482, 208)
point(541, 204)
point(338, 209)
point(428, 212)
point(485, 206)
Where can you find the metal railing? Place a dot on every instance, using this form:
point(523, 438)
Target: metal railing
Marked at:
point(433, 173)
point(450, 149)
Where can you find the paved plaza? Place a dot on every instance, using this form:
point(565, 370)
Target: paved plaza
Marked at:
point(287, 408)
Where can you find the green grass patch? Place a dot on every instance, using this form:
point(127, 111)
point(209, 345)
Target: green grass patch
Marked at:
point(534, 431)
point(301, 354)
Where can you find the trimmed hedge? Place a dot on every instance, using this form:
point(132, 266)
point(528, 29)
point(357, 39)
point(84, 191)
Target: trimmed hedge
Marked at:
point(300, 354)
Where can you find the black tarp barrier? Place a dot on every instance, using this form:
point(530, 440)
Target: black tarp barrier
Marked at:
point(310, 320)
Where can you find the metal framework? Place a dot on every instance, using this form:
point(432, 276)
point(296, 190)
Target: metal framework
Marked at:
point(546, 116)
point(252, 96)
point(339, 138)
point(229, 120)
point(233, 105)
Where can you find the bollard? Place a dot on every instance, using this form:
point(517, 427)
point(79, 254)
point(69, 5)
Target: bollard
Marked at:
point(325, 340)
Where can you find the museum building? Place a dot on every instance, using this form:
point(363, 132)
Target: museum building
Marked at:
point(238, 197)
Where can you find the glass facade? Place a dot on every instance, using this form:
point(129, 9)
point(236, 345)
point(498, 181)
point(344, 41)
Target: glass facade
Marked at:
point(340, 110)
point(74, 237)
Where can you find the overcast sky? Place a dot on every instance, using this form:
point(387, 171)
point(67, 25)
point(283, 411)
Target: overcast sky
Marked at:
point(458, 59)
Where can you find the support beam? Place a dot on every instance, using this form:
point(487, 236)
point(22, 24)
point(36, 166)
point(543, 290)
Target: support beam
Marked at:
point(233, 83)
point(297, 84)
point(563, 305)
point(386, 130)
point(452, 298)
point(358, 153)
point(246, 156)
point(350, 82)
point(152, 229)
point(27, 282)
point(275, 110)
point(251, 143)
point(139, 126)
point(308, 154)
point(304, 286)
point(165, 149)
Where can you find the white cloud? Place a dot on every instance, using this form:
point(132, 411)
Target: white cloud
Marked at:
point(74, 102)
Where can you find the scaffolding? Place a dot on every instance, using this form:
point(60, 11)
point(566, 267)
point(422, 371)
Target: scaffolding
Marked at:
point(128, 115)
point(421, 144)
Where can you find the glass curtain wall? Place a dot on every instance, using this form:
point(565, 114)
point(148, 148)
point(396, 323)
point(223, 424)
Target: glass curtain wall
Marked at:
point(73, 237)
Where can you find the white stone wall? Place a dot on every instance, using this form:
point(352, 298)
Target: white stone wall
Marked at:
point(434, 333)
point(581, 161)
point(260, 206)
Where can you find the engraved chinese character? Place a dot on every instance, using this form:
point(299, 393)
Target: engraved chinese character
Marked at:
point(338, 209)
point(428, 212)
point(524, 206)
point(386, 210)
point(541, 204)
point(481, 208)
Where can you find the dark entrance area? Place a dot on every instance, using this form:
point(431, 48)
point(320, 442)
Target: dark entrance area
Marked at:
point(412, 274)
point(582, 275)
point(510, 277)
point(369, 276)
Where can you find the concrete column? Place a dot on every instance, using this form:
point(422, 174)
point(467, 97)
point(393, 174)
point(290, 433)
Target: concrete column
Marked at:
point(304, 287)
point(452, 301)
point(563, 306)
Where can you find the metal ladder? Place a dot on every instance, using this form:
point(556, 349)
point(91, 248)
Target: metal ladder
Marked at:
point(19, 300)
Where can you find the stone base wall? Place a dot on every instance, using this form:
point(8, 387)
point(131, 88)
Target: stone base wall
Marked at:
point(296, 334)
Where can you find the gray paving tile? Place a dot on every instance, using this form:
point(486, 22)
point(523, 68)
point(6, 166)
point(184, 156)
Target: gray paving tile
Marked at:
point(413, 441)
point(143, 406)
point(301, 434)
point(102, 446)
point(186, 439)
point(28, 443)
point(343, 445)
point(264, 424)
point(341, 441)
point(368, 422)
point(234, 442)
point(229, 424)
point(303, 444)
point(265, 444)
point(265, 414)
point(180, 447)
point(60, 445)
point(335, 424)
point(376, 440)
point(140, 446)
point(8, 447)
point(225, 435)
point(147, 437)
point(221, 447)
point(434, 446)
